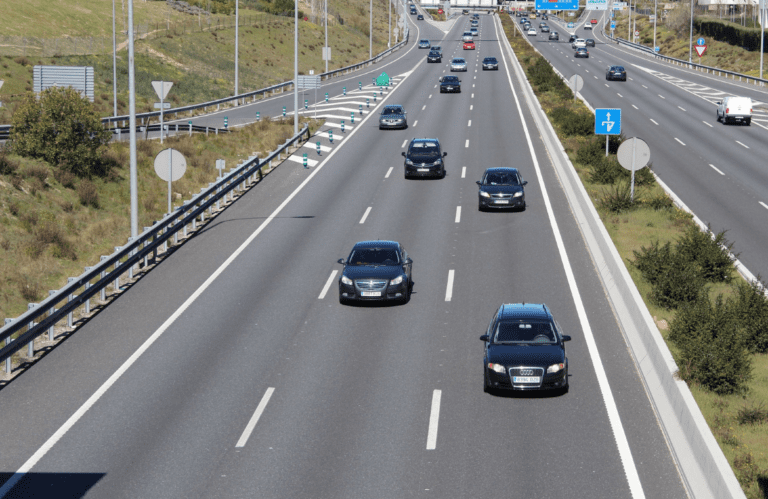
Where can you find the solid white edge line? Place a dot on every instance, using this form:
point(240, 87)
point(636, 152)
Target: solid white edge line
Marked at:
point(716, 169)
point(365, 215)
point(449, 286)
point(434, 419)
point(69, 423)
point(625, 453)
point(256, 415)
point(327, 285)
point(463, 172)
point(458, 214)
point(389, 171)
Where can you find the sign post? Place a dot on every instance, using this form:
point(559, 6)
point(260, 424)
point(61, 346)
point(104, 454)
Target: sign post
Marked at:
point(1, 104)
point(607, 122)
point(633, 154)
point(161, 89)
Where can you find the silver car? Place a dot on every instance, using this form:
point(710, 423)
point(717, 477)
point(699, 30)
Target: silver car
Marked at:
point(393, 116)
point(458, 64)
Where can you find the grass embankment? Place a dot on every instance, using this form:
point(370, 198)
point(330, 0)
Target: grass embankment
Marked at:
point(737, 421)
point(53, 224)
point(718, 55)
point(200, 63)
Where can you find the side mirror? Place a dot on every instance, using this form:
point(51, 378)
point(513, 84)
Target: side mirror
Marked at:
point(445, 154)
point(408, 260)
point(566, 337)
point(478, 182)
point(403, 153)
point(484, 337)
point(341, 261)
point(525, 182)
point(718, 103)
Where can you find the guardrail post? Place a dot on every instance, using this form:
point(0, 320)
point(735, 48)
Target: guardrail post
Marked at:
point(31, 344)
point(51, 311)
point(8, 341)
point(69, 299)
point(88, 300)
point(144, 246)
point(133, 252)
point(206, 130)
point(185, 225)
point(117, 276)
point(103, 292)
point(176, 235)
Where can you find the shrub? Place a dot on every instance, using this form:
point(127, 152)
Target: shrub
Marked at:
point(678, 284)
point(617, 199)
point(88, 194)
point(65, 178)
point(7, 165)
point(582, 123)
point(658, 203)
point(751, 308)
point(652, 261)
point(61, 127)
point(711, 347)
point(30, 289)
point(752, 414)
point(605, 170)
point(712, 255)
point(39, 172)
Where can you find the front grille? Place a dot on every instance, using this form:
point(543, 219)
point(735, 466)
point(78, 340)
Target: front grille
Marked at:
point(526, 371)
point(371, 284)
point(501, 196)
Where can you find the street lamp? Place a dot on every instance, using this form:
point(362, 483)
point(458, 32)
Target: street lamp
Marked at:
point(296, 68)
point(370, 33)
point(762, 35)
point(326, 36)
point(132, 124)
point(114, 59)
point(237, 39)
point(655, 20)
point(690, 38)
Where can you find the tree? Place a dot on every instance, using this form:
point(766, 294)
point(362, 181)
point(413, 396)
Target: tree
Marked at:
point(62, 128)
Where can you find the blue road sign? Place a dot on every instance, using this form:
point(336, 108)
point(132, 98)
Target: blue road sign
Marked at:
point(613, 24)
point(701, 41)
point(562, 5)
point(656, 49)
point(607, 121)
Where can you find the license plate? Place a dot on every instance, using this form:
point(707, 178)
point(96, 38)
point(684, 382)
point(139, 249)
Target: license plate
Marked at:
point(422, 169)
point(526, 379)
point(370, 293)
point(502, 201)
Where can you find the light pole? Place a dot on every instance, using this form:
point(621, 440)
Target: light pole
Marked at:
point(655, 20)
point(296, 68)
point(114, 58)
point(690, 37)
point(132, 123)
point(326, 35)
point(762, 35)
point(237, 39)
point(389, 11)
point(370, 34)
point(629, 22)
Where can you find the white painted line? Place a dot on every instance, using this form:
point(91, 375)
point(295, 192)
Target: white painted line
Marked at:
point(472, 96)
point(715, 168)
point(595, 77)
point(710, 126)
point(634, 106)
point(434, 417)
point(625, 453)
point(313, 146)
point(681, 141)
point(619, 95)
point(644, 86)
point(256, 415)
point(365, 215)
point(415, 122)
point(458, 214)
point(404, 142)
point(473, 85)
point(661, 96)
point(474, 78)
point(471, 106)
point(300, 159)
point(449, 287)
point(680, 108)
point(606, 85)
point(327, 285)
point(470, 123)
point(743, 145)
point(430, 96)
point(463, 172)
point(423, 107)
point(435, 86)
point(336, 125)
point(466, 144)
point(586, 70)
point(389, 171)
point(763, 205)
point(654, 122)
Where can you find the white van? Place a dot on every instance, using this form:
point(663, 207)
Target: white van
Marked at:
point(467, 36)
point(733, 108)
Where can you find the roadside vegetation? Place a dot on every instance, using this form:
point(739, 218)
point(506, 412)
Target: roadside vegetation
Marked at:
point(715, 324)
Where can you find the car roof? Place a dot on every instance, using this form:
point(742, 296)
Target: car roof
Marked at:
point(376, 244)
point(393, 105)
point(525, 311)
point(458, 59)
point(500, 169)
point(424, 140)
point(489, 57)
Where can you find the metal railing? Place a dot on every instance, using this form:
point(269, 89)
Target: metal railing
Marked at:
point(61, 304)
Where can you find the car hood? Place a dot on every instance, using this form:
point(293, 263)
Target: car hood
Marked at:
point(370, 271)
point(501, 189)
point(526, 355)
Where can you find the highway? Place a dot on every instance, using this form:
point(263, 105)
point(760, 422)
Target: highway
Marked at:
point(231, 369)
point(715, 169)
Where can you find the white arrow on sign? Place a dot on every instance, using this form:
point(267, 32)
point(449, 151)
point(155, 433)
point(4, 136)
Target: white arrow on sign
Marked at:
point(162, 88)
point(609, 124)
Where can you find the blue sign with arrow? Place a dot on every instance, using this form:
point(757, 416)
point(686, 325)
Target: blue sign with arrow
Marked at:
point(607, 121)
point(557, 5)
point(701, 41)
point(613, 25)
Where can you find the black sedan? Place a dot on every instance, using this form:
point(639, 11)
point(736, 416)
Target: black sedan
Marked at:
point(376, 271)
point(450, 83)
point(490, 63)
point(524, 350)
point(616, 73)
point(581, 52)
point(424, 158)
point(434, 56)
point(501, 188)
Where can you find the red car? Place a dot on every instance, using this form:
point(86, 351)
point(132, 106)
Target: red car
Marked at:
point(469, 45)
point(593, 21)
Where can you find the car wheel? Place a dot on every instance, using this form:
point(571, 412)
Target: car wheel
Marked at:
point(748, 121)
point(486, 384)
point(718, 117)
point(342, 300)
point(442, 174)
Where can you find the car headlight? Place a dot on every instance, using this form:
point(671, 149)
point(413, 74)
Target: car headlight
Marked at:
point(438, 161)
point(555, 368)
point(517, 195)
point(346, 280)
point(484, 194)
point(496, 368)
point(408, 162)
point(397, 280)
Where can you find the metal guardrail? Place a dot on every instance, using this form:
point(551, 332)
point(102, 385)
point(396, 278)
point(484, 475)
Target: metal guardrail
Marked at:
point(5, 132)
point(62, 303)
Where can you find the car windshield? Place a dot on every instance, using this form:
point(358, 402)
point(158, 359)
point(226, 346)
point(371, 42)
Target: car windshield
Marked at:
point(538, 332)
point(489, 59)
point(392, 110)
point(450, 79)
point(422, 148)
point(374, 256)
point(458, 61)
point(501, 178)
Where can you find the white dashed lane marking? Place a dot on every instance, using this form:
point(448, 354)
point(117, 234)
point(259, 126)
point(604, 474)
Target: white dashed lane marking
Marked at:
point(389, 172)
point(327, 285)
point(463, 171)
point(717, 170)
point(458, 214)
point(742, 145)
point(652, 121)
point(365, 215)
point(683, 143)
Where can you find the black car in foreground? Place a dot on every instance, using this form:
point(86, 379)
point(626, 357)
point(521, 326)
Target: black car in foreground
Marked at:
point(524, 350)
point(434, 56)
point(424, 158)
point(393, 116)
point(490, 63)
point(450, 83)
point(501, 188)
point(376, 271)
point(616, 73)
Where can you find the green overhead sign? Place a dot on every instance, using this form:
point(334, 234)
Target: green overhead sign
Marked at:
point(383, 80)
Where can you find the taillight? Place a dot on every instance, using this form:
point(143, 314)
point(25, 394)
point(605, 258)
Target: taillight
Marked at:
point(726, 110)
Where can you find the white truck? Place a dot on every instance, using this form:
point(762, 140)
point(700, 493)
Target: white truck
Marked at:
point(735, 109)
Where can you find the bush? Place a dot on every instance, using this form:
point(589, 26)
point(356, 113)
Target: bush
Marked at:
point(7, 165)
point(65, 178)
point(618, 199)
point(662, 202)
point(543, 77)
point(572, 122)
point(88, 194)
point(711, 255)
point(36, 171)
point(711, 345)
point(752, 414)
point(675, 281)
point(751, 308)
point(61, 127)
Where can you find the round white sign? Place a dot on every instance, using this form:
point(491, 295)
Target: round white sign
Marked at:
point(170, 164)
point(634, 149)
